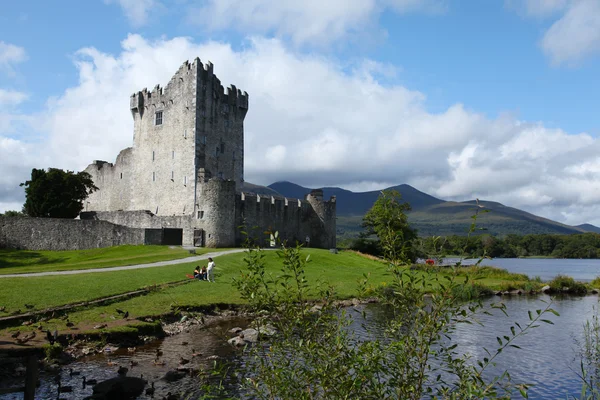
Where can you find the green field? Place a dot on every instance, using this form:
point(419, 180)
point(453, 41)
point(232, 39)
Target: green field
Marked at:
point(23, 261)
point(343, 270)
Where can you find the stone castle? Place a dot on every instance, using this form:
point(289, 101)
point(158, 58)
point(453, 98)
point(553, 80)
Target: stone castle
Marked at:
point(183, 178)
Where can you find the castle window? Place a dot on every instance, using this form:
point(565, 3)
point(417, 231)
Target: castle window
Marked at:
point(172, 175)
point(121, 175)
point(185, 133)
point(222, 147)
point(203, 139)
point(221, 175)
point(233, 156)
point(225, 107)
point(173, 154)
point(226, 123)
point(153, 176)
point(200, 214)
point(217, 152)
point(152, 155)
point(158, 120)
point(185, 181)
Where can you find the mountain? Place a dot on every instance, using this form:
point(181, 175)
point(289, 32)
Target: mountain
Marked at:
point(258, 189)
point(357, 204)
point(589, 228)
point(433, 216)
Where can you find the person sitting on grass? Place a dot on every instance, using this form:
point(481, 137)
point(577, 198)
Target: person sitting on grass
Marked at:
point(203, 274)
point(197, 272)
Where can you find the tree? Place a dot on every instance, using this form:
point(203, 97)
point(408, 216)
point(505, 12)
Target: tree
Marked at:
point(388, 221)
point(13, 213)
point(56, 193)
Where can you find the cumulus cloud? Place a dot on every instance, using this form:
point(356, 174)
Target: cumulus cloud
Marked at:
point(309, 21)
point(136, 11)
point(11, 55)
point(317, 122)
point(572, 37)
point(10, 98)
point(576, 35)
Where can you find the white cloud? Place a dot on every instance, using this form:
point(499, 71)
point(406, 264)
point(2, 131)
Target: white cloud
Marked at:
point(9, 98)
point(10, 55)
point(576, 35)
point(309, 21)
point(136, 11)
point(537, 8)
point(314, 123)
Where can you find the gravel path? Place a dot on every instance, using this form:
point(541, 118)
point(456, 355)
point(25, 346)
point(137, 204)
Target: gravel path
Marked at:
point(127, 267)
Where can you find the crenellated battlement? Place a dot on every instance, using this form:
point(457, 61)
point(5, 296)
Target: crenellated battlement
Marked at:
point(196, 74)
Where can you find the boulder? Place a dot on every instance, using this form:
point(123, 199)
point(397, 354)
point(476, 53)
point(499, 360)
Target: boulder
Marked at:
point(237, 341)
point(267, 330)
point(121, 387)
point(235, 330)
point(545, 289)
point(249, 335)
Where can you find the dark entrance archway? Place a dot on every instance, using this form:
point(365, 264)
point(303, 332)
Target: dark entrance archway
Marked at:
point(172, 237)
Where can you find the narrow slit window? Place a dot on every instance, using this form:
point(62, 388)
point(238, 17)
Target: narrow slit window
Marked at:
point(152, 155)
point(172, 175)
point(185, 181)
point(173, 154)
point(121, 175)
point(185, 133)
point(153, 176)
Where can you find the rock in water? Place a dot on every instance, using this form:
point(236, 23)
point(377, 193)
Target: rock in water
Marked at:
point(121, 387)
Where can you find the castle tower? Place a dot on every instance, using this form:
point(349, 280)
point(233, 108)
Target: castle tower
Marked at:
point(326, 212)
point(192, 124)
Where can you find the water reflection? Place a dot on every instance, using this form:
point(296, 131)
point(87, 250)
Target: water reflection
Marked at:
point(548, 356)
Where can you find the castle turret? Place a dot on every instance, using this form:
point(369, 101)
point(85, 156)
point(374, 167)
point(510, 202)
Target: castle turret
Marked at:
point(217, 208)
point(326, 211)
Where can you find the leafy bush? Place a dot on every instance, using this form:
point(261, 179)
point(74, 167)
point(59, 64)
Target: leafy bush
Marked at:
point(563, 282)
point(52, 351)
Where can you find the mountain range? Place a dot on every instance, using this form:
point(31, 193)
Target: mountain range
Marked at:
point(429, 215)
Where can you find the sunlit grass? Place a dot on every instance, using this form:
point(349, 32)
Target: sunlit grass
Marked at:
point(23, 261)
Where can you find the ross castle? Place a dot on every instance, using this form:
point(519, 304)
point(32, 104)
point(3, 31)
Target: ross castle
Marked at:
point(182, 181)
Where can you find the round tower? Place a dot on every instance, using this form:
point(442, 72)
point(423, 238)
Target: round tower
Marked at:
point(217, 200)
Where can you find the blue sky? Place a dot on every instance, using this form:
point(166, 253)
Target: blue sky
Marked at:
point(501, 96)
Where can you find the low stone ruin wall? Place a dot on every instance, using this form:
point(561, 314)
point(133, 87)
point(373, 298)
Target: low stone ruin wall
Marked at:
point(64, 234)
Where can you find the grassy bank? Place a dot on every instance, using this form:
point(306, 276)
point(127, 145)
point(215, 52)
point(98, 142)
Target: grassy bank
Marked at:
point(24, 261)
point(343, 270)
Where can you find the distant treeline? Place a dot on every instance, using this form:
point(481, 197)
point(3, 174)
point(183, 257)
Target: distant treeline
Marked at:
point(586, 245)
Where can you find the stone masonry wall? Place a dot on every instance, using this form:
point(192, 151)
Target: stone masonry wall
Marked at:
point(293, 219)
point(64, 234)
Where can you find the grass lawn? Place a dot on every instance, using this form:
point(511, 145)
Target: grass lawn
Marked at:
point(22, 261)
point(343, 270)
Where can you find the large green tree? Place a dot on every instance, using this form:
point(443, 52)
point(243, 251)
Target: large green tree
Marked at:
point(56, 193)
point(388, 221)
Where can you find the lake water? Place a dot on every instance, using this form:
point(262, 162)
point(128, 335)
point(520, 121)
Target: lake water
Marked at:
point(546, 268)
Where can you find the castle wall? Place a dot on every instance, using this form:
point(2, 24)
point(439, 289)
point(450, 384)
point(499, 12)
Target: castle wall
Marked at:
point(142, 219)
point(64, 234)
point(114, 183)
point(293, 219)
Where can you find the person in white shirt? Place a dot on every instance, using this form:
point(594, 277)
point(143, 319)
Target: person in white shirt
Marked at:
point(209, 268)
